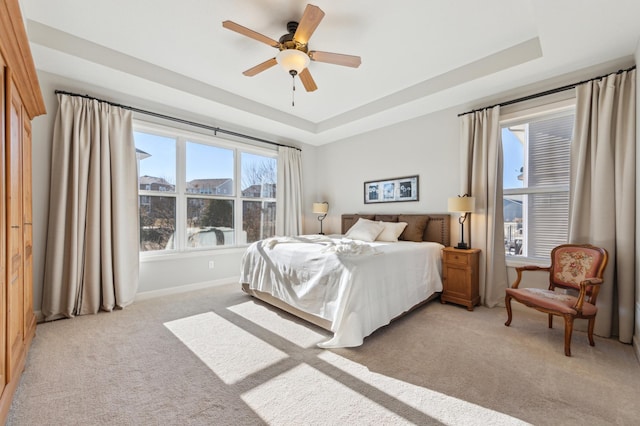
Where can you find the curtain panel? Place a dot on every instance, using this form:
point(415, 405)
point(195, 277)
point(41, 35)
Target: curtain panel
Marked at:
point(603, 192)
point(91, 259)
point(481, 152)
point(289, 192)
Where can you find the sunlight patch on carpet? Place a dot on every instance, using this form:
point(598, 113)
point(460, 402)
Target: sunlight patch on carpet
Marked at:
point(304, 395)
point(283, 327)
point(229, 351)
point(435, 405)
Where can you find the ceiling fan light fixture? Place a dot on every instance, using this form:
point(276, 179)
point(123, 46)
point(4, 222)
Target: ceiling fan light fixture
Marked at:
point(293, 60)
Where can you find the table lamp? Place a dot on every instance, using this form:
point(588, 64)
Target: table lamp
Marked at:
point(463, 204)
point(322, 209)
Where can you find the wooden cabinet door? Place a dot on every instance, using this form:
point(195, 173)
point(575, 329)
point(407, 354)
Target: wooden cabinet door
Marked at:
point(27, 234)
point(17, 108)
point(15, 285)
point(3, 234)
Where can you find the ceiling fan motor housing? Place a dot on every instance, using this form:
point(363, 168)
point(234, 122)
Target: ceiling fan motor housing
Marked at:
point(292, 26)
point(287, 41)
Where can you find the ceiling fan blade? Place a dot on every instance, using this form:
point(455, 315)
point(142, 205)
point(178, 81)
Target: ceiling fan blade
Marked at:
point(310, 19)
point(260, 67)
point(335, 58)
point(230, 25)
point(307, 80)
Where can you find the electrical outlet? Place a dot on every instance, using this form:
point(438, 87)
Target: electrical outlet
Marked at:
point(211, 264)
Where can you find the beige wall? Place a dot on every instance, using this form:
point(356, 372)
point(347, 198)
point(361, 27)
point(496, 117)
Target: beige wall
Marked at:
point(159, 275)
point(636, 337)
point(426, 146)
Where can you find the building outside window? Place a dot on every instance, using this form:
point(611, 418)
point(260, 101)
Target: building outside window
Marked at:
point(536, 152)
point(200, 192)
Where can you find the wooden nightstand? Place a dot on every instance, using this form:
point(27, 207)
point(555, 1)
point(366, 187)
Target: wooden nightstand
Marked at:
point(460, 277)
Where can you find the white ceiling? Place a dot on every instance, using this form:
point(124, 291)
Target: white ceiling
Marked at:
point(418, 56)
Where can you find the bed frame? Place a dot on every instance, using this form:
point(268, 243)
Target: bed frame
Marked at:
point(437, 230)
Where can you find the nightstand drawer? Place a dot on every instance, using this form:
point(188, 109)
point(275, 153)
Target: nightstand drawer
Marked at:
point(451, 257)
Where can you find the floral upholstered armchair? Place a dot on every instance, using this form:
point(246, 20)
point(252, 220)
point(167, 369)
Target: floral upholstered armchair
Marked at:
point(576, 267)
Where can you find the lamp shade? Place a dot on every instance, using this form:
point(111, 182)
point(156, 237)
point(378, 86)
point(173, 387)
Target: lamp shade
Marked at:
point(321, 208)
point(461, 204)
point(292, 60)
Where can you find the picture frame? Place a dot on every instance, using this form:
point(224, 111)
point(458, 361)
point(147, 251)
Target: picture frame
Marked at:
point(391, 190)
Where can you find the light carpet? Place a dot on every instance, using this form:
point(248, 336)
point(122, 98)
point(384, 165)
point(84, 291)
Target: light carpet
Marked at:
point(218, 357)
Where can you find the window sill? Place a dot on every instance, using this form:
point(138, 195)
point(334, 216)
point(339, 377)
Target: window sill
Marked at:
point(513, 262)
point(161, 256)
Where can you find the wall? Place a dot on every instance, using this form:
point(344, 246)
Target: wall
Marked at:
point(160, 275)
point(426, 146)
point(636, 337)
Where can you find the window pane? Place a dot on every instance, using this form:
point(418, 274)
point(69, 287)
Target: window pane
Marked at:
point(157, 223)
point(209, 170)
point(549, 151)
point(548, 223)
point(545, 226)
point(209, 223)
point(156, 158)
point(259, 175)
point(258, 220)
point(513, 225)
point(513, 148)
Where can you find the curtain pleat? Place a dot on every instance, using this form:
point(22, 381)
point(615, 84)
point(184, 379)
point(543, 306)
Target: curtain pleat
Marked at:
point(289, 192)
point(91, 259)
point(602, 192)
point(481, 153)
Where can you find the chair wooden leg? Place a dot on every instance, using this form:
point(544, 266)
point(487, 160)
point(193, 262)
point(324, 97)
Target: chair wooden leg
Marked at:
point(592, 323)
point(568, 329)
point(507, 302)
point(550, 321)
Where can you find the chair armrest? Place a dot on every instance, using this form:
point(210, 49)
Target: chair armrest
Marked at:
point(533, 268)
point(583, 290)
point(591, 281)
point(521, 269)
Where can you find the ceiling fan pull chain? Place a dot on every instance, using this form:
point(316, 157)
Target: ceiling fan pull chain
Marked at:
point(293, 92)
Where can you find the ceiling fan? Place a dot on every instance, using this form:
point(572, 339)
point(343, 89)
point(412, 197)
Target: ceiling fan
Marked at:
point(294, 55)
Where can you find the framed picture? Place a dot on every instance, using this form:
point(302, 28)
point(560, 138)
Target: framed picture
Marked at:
point(391, 190)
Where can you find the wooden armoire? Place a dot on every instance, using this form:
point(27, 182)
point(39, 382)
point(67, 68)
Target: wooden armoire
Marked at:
point(20, 101)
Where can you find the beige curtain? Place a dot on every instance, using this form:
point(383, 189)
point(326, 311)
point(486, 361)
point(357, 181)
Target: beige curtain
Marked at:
point(481, 149)
point(602, 193)
point(289, 192)
point(91, 260)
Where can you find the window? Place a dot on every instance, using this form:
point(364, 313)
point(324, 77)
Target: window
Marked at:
point(536, 152)
point(195, 189)
point(259, 176)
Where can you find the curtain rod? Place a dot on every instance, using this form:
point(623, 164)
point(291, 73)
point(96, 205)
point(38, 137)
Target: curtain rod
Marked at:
point(179, 120)
point(545, 93)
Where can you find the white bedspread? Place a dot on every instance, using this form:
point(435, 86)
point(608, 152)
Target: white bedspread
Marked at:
point(358, 287)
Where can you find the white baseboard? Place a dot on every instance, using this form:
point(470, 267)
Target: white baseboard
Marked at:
point(185, 288)
point(168, 291)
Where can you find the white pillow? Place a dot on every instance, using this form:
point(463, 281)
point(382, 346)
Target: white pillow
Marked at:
point(365, 230)
point(391, 231)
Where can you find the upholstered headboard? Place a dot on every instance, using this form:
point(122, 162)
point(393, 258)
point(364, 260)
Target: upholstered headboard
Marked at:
point(437, 229)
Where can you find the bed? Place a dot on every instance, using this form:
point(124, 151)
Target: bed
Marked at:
point(348, 285)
